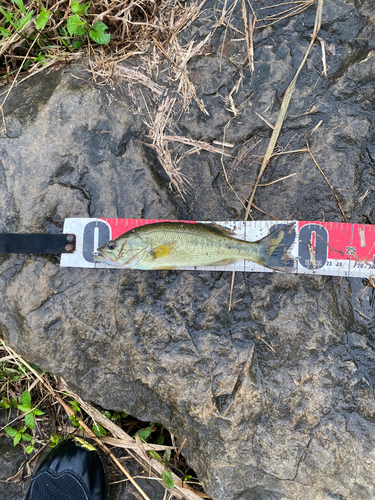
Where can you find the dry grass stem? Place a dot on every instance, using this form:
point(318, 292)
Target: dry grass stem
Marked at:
point(362, 314)
point(249, 35)
point(264, 120)
point(361, 198)
point(157, 125)
point(224, 144)
point(272, 182)
point(137, 450)
point(181, 57)
point(137, 76)
point(297, 8)
point(231, 291)
point(197, 144)
point(284, 107)
point(69, 411)
point(325, 177)
point(322, 43)
point(135, 447)
point(315, 128)
point(267, 344)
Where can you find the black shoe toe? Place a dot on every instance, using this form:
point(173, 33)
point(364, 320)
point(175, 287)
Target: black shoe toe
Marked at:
point(71, 471)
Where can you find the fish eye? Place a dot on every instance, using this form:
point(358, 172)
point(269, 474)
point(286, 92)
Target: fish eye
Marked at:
point(111, 245)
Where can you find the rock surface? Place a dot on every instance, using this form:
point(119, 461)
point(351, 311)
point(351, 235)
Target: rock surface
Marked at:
point(276, 397)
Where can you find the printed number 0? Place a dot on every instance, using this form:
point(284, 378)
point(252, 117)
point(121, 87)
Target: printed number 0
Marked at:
point(102, 235)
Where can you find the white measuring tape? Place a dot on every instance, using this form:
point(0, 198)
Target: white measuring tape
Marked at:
point(322, 248)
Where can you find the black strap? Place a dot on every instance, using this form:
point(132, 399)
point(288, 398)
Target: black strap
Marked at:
point(37, 243)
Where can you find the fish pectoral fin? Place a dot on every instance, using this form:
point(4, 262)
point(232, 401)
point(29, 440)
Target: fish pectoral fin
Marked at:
point(163, 250)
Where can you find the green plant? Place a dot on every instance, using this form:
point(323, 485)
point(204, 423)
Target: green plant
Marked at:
point(98, 430)
point(17, 18)
point(8, 403)
point(167, 474)
point(25, 406)
point(75, 407)
point(116, 415)
point(54, 440)
point(144, 434)
point(19, 434)
point(78, 25)
point(30, 412)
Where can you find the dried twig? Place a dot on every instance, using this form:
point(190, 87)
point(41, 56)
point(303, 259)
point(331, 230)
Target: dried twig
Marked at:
point(325, 177)
point(284, 107)
point(69, 411)
point(197, 144)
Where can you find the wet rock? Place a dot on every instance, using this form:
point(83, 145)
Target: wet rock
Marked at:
point(11, 459)
point(276, 397)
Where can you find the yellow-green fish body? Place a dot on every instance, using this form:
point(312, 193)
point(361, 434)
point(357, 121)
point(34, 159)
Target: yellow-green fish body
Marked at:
point(170, 245)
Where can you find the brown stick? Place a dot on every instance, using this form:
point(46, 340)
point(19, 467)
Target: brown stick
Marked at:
point(284, 107)
point(325, 177)
point(69, 411)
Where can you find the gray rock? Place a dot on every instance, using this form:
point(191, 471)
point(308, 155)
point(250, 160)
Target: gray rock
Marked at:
point(295, 421)
point(11, 459)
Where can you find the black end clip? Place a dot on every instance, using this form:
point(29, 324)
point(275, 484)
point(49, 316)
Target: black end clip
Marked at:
point(37, 243)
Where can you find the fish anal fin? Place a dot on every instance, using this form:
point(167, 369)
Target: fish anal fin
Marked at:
point(222, 262)
point(163, 250)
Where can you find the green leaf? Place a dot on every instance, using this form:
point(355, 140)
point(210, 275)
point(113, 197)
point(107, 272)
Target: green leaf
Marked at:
point(29, 421)
point(20, 6)
point(36, 411)
point(26, 437)
point(167, 479)
point(80, 8)
point(144, 433)
point(54, 440)
point(155, 455)
point(76, 44)
point(29, 449)
point(160, 439)
point(74, 25)
point(73, 420)
point(10, 431)
point(8, 15)
point(24, 408)
point(4, 32)
point(98, 430)
point(74, 405)
point(166, 456)
point(25, 20)
point(17, 439)
point(26, 398)
point(42, 19)
point(97, 33)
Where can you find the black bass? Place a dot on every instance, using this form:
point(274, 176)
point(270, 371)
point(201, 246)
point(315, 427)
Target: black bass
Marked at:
point(170, 245)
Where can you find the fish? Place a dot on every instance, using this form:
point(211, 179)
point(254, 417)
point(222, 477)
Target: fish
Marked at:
point(171, 245)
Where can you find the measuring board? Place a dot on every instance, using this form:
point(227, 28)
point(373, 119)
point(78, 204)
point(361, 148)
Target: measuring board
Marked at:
point(322, 248)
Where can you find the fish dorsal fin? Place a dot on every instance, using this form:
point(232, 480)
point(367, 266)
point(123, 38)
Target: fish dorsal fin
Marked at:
point(222, 229)
point(163, 250)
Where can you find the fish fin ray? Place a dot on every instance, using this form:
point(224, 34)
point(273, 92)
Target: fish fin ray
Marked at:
point(226, 230)
point(275, 248)
point(223, 262)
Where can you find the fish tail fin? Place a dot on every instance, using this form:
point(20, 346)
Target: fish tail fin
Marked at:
point(274, 248)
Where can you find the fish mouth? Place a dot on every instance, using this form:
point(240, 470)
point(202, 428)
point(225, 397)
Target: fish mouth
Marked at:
point(99, 257)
